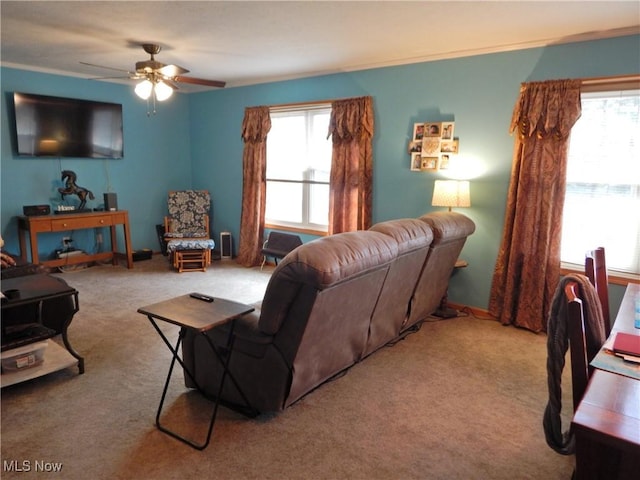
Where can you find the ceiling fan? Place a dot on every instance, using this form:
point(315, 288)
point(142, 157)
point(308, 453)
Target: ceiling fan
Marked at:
point(156, 77)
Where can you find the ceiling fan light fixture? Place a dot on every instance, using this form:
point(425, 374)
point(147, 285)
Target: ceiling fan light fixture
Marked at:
point(162, 91)
point(143, 89)
point(157, 81)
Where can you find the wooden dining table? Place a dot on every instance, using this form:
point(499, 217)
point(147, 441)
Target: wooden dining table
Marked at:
point(606, 424)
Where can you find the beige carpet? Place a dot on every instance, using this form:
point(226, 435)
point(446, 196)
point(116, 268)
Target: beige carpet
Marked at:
point(460, 399)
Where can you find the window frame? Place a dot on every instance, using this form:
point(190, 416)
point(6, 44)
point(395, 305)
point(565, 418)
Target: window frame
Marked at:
point(595, 85)
point(305, 227)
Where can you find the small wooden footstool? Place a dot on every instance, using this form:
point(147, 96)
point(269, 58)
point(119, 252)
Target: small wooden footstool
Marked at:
point(191, 260)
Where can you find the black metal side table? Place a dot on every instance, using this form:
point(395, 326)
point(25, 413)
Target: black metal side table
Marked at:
point(33, 291)
point(199, 313)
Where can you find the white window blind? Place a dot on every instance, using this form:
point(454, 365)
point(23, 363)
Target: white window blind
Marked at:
point(602, 204)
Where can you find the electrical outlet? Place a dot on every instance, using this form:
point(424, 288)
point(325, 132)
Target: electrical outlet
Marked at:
point(66, 241)
point(98, 237)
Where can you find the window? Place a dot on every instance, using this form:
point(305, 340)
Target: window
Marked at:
point(602, 204)
point(298, 168)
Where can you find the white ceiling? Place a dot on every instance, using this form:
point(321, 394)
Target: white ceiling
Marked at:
point(244, 42)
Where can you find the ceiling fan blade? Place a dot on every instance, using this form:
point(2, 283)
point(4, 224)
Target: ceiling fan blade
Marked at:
point(172, 70)
point(108, 68)
point(171, 84)
point(113, 78)
point(155, 71)
point(200, 81)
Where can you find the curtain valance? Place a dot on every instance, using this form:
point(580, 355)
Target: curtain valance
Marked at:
point(256, 124)
point(351, 118)
point(548, 108)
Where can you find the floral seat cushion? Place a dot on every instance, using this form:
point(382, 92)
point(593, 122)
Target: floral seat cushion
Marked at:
point(169, 235)
point(190, 244)
point(188, 210)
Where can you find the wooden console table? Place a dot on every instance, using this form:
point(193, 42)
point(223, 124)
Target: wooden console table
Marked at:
point(75, 221)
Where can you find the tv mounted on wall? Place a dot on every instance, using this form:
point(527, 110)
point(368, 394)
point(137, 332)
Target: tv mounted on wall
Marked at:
point(66, 127)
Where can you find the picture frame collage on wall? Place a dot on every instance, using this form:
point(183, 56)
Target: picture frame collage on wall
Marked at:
point(432, 145)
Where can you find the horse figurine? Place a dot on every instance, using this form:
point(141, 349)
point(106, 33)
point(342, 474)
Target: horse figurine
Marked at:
point(70, 188)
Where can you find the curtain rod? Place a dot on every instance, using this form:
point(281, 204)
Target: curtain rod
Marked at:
point(290, 107)
point(301, 104)
point(304, 104)
point(612, 79)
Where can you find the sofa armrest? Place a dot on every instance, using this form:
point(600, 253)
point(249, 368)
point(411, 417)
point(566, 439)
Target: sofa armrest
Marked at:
point(248, 337)
point(246, 329)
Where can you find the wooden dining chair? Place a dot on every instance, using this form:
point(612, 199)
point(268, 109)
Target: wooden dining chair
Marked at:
point(595, 268)
point(578, 341)
point(576, 324)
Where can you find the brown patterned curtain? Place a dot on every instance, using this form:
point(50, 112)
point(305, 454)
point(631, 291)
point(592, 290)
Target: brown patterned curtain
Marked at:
point(351, 128)
point(255, 126)
point(527, 270)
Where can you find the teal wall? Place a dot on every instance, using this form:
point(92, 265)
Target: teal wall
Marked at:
point(195, 140)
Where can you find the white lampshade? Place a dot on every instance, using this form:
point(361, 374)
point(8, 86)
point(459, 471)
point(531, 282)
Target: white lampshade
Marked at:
point(451, 193)
point(143, 89)
point(162, 91)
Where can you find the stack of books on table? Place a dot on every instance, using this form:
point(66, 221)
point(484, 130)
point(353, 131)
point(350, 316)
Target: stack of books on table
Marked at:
point(627, 346)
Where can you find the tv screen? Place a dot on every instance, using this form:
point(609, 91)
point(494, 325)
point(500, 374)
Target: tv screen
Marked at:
point(66, 127)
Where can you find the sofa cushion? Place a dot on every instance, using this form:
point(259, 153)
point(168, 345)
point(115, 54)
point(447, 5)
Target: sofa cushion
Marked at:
point(320, 264)
point(448, 226)
point(450, 231)
point(329, 260)
point(409, 233)
point(392, 308)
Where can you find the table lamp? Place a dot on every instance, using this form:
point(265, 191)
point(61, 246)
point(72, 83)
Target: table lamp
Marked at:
point(451, 193)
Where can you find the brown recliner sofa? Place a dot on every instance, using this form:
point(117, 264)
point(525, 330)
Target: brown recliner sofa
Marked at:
point(329, 304)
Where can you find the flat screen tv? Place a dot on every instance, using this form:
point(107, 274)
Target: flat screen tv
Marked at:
point(66, 127)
